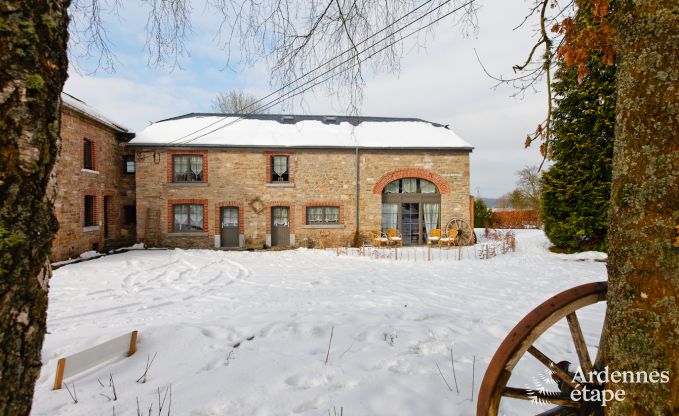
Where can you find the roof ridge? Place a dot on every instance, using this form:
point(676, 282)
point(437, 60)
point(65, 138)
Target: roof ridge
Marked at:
point(304, 117)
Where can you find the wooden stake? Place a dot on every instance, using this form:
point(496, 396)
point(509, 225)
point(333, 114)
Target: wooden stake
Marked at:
point(61, 364)
point(332, 330)
point(133, 343)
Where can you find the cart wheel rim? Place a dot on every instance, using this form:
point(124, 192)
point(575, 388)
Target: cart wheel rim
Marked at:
point(521, 338)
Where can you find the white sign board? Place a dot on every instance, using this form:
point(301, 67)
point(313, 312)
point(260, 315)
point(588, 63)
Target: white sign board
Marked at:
point(122, 346)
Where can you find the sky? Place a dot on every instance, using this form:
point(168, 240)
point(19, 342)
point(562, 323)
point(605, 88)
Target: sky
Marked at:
point(442, 82)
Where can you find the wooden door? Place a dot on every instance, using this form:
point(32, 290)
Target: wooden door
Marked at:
point(230, 229)
point(280, 226)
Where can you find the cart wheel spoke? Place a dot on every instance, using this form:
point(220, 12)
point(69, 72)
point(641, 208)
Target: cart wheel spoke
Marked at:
point(554, 368)
point(579, 341)
point(521, 340)
point(554, 397)
point(599, 360)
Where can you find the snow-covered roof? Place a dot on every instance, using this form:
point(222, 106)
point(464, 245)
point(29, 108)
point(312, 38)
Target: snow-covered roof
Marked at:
point(269, 130)
point(82, 107)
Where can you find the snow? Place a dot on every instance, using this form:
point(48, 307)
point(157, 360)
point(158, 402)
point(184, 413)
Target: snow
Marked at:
point(234, 131)
point(83, 107)
point(393, 321)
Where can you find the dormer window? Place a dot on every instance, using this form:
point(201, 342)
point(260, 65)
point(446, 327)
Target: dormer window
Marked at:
point(280, 169)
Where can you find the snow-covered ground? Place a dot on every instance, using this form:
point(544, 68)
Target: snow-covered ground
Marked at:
point(394, 321)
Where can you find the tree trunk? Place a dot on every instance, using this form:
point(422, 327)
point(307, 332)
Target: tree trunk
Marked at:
point(33, 68)
point(642, 332)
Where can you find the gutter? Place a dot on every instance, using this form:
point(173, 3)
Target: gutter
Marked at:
point(461, 149)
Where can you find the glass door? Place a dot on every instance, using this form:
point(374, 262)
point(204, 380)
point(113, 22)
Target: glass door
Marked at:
point(410, 223)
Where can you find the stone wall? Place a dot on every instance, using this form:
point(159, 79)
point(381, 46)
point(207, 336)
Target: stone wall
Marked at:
point(107, 182)
point(318, 177)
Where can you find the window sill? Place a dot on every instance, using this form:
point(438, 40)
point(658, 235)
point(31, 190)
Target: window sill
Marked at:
point(189, 184)
point(337, 226)
point(90, 228)
point(96, 172)
point(188, 234)
point(280, 185)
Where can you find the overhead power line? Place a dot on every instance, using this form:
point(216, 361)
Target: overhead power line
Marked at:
point(291, 93)
point(319, 66)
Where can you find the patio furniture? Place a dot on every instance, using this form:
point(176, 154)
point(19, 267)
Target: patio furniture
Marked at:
point(448, 239)
point(434, 236)
point(395, 237)
point(379, 238)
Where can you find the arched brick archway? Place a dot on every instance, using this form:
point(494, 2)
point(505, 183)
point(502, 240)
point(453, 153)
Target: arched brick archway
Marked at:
point(431, 176)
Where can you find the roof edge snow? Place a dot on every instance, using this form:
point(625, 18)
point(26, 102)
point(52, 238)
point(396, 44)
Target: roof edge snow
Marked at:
point(82, 107)
point(288, 131)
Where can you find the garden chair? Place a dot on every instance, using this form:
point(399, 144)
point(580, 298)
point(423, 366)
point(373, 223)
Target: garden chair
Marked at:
point(395, 237)
point(448, 239)
point(378, 238)
point(434, 236)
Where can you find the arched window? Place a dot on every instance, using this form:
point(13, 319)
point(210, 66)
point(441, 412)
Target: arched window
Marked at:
point(413, 206)
point(410, 186)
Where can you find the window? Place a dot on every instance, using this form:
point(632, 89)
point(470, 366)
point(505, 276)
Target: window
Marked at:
point(187, 218)
point(129, 214)
point(280, 169)
point(128, 164)
point(389, 216)
point(187, 168)
point(410, 186)
point(88, 154)
point(322, 215)
point(89, 220)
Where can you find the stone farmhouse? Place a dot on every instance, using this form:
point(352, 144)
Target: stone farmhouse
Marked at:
point(94, 174)
point(244, 181)
point(215, 180)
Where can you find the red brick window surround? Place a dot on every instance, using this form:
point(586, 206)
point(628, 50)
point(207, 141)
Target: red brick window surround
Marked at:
point(187, 170)
point(218, 216)
point(438, 180)
point(89, 154)
point(323, 213)
point(276, 171)
point(187, 216)
point(89, 212)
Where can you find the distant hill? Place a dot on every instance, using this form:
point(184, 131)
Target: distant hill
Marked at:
point(491, 202)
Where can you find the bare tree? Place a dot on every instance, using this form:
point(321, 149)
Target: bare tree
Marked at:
point(529, 186)
point(236, 102)
point(307, 44)
point(526, 195)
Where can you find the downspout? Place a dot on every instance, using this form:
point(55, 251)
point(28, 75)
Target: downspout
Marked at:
point(358, 188)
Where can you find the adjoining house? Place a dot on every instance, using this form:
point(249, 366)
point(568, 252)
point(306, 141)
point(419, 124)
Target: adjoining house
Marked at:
point(95, 189)
point(223, 180)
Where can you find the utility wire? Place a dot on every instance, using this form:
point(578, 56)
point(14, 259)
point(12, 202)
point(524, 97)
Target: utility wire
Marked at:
point(289, 94)
point(321, 65)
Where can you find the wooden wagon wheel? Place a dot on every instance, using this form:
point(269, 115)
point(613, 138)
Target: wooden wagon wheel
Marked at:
point(521, 339)
point(464, 231)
